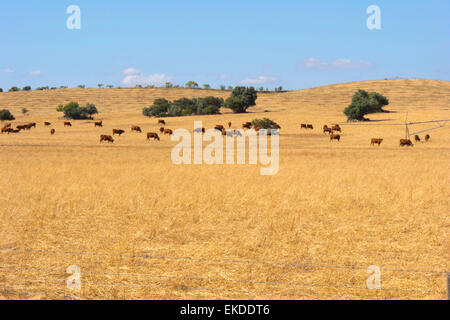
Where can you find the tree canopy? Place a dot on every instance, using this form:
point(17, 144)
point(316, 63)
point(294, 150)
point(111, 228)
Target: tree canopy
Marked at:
point(364, 103)
point(73, 110)
point(183, 107)
point(241, 99)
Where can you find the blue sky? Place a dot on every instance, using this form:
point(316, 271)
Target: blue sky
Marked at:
point(296, 44)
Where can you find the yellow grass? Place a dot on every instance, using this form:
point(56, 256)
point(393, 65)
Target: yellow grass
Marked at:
point(161, 231)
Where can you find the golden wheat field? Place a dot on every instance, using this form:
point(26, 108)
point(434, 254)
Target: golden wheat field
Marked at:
point(140, 227)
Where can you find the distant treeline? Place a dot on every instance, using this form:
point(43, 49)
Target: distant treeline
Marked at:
point(167, 85)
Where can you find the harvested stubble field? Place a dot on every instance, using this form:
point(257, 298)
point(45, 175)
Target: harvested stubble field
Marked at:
point(140, 227)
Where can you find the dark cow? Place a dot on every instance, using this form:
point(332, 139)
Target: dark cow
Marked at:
point(98, 124)
point(161, 130)
point(168, 131)
point(309, 126)
point(67, 124)
point(7, 130)
point(52, 132)
point(247, 125)
point(326, 129)
point(229, 124)
point(376, 141)
point(416, 138)
point(219, 127)
point(22, 127)
point(118, 131)
point(335, 137)
point(405, 142)
point(162, 122)
point(136, 128)
point(427, 138)
point(199, 130)
point(153, 135)
point(303, 126)
point(105, 137)
point(32, 125)
point(8, 125)
point(47, 124)
point(336, 128)
point(257, 128)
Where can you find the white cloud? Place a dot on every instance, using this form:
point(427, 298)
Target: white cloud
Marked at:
point(341, 63)
point(35, 73)
point(134, 76)
point(259, 80)
point(131, 72)
point(7, 70)
point(155, 79)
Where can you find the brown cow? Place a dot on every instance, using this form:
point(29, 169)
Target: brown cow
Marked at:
point(47, 124)
point(162, 122)
point(52, 132)
point(376, 141)
point(229, 124)
point(326, 129)
point(336, 128)
point(7, 130)
point(247, 125)
point(98, 124)
point(427, 138)
point(153, 135)
point(168, 131)
point(67, 124)
point(136, 128)
point(22, 127)
point(8, 125)
point(105, 137)
point(32, 124)
point(405, 142)
point(416, 138)
point(199, 130)
point(161, 129)
point(335, 137)
point(219, 127)
point(118, 131)
point(257, 128)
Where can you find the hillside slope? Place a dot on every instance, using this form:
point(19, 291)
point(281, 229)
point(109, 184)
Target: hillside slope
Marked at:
point(404, 94)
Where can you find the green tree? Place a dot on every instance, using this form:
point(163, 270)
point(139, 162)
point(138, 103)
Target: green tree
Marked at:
point(241, 99)
point(81, 86)
point(14, 89)
point(222, 87)
point(364, 103)
point(73, 110)
point(6, 115)
point(1, 90)
point(169, 85)
point(158, 109)
point(191, 84)
point(206, 86)
point(110, 86)
point(24, 111)
point(26, 88)
point(100, 85)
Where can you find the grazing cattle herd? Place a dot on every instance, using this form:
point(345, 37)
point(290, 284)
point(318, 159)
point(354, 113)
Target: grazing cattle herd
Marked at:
point(7, 128)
